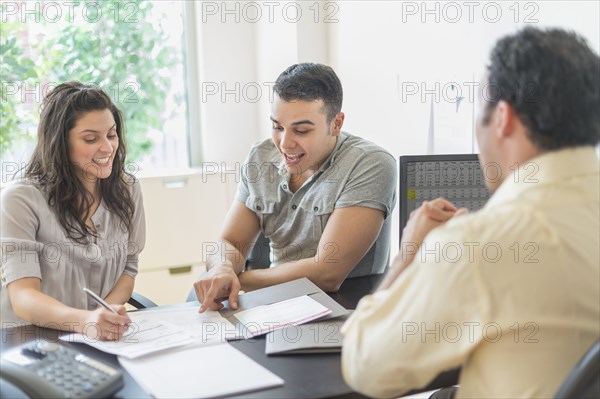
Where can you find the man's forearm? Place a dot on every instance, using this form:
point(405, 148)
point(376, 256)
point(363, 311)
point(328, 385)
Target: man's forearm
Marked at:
point(400, 263)
point(227, 255)
point(326, 277)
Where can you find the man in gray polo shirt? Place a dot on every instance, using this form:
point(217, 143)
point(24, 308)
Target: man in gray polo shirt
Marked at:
point(323, 197)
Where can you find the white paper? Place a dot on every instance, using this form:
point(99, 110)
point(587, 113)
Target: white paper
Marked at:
point(209, 327)
point(199, 372)
point(263, 319)
point(144, 336)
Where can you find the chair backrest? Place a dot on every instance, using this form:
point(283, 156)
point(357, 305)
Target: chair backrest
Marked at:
point(584, 380)
point(257, 259)
point(139, 301)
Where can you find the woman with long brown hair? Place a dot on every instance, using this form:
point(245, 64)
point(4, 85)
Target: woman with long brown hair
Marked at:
point(75, 220)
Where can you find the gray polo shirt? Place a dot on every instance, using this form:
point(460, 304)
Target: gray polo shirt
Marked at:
point(357, 173)
point(34, 244)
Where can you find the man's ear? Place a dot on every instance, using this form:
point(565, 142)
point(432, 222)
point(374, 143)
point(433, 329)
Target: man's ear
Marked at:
point(504, 120)
point(337, 123)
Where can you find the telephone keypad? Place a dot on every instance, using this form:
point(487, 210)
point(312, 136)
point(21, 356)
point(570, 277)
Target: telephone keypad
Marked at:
point(62, 370)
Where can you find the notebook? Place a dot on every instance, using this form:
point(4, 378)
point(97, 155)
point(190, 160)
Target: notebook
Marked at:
point(317, 337)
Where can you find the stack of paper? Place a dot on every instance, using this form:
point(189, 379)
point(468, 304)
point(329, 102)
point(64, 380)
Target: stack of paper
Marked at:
point(192, 357)
point(259, 312)
point(317, 337)
point(199, 372)
point(206, 328)
point(144, 336)
point(263, 319)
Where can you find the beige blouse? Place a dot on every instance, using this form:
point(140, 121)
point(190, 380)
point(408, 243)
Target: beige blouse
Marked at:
point(34, 244)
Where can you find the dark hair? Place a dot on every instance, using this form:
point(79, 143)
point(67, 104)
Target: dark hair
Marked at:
point(51, 168)
point(311, 82)
point(552, 80)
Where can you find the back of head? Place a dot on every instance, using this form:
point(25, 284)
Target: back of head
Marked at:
point(311, 82)
point(551, 78)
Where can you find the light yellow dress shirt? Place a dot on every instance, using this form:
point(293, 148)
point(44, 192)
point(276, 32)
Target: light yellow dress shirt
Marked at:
point(511, 293)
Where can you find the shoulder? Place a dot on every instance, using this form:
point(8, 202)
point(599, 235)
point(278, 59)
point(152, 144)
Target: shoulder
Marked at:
point(362, 150)
point(133, 184)
point(263, 151)
point(23, 201)
point(362, 159)
point(22, 191)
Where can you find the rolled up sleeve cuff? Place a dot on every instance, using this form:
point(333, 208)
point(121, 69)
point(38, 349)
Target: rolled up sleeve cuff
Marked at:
point(20, 259)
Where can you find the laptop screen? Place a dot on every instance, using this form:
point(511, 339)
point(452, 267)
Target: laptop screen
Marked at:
point(456, 177)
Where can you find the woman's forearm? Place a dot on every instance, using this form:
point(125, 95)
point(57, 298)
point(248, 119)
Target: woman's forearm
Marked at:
point(122, 290)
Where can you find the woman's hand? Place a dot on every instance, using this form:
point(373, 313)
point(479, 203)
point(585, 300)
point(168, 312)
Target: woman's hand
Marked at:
point(104, 325)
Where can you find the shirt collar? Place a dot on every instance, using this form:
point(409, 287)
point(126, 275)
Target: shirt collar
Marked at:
point(546, 169)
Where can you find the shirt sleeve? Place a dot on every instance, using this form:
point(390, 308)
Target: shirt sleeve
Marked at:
point(372, 183)
point(19, 224)
point(137, 237)
point(251, 170)
point(428, 321)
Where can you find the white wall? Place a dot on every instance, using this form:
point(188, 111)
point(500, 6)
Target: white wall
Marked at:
point(375, 44)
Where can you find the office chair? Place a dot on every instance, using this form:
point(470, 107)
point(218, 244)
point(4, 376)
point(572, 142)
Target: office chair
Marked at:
point(257, 259)
point(139, 301)
point(584, 380)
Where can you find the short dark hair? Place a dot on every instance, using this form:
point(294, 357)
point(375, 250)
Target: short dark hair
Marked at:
point(311, 82)
point(551, 78)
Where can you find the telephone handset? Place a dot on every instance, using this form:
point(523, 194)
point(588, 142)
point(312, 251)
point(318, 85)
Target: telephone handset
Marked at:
point(54, 370)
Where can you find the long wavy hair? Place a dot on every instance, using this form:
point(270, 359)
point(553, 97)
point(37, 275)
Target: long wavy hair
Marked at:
point(51, 168)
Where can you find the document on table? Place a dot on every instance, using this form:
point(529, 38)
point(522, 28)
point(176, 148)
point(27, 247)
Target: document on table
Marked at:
point(281, 292)
point(144, 336)
point(209, 327)
point(263, 319)
point(199, 372)
point(315, 337)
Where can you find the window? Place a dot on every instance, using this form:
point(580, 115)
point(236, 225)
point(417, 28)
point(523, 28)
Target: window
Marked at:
point(133, 49)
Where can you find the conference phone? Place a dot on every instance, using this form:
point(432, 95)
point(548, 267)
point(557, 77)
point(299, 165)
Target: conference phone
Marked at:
point(45, 369)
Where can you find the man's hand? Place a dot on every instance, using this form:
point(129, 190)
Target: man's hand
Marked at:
point(216, 285)
point(428, 216)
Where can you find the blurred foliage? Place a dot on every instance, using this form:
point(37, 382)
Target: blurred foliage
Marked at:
point(117, 47)
point(14, 68)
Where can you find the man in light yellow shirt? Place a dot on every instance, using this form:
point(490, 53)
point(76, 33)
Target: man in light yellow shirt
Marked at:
point(510, 293)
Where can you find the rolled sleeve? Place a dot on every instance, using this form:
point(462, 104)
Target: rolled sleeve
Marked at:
point(372, 183)
point(242, 193)
point(137, 236)
point(20, 259)
point(20, 250)
point(252, 171)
